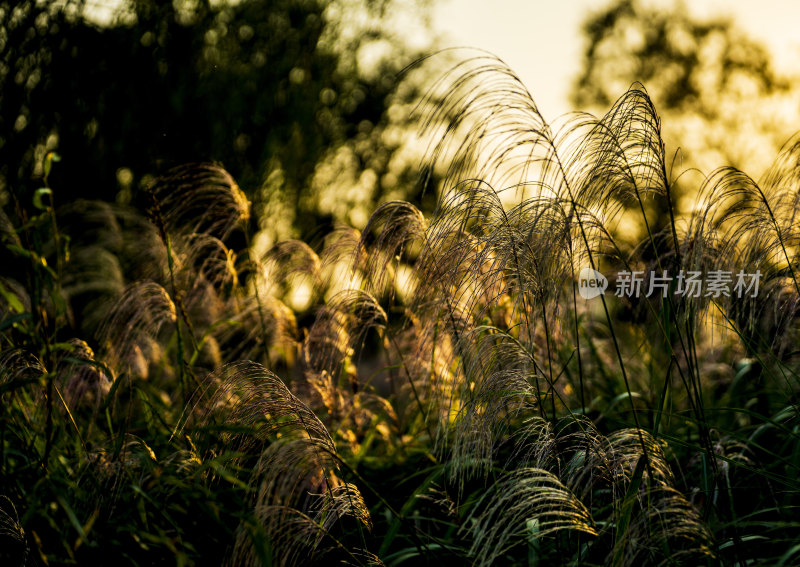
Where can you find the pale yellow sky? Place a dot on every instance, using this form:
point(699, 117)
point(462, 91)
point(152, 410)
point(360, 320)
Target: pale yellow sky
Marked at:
point(541, 41)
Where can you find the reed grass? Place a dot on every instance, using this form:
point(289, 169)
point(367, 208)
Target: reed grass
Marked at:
point(444, 395)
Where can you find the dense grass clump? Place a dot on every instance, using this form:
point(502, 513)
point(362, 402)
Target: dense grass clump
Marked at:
point(430, 390)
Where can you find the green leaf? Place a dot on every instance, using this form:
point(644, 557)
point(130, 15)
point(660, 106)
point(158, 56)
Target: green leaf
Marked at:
point(19, 251)
point(73, 519)
point(11, 321)
point(532, 528)
point(48, 162)
point(745, 539)
point(37, 198)
point(627, 509)
point(13, 301)
point(394, 528)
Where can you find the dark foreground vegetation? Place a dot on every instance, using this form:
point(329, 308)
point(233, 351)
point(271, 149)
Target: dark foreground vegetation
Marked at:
point(430, 390)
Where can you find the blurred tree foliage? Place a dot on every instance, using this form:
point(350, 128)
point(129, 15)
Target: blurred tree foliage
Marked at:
point(715, 87)
point(270, 88)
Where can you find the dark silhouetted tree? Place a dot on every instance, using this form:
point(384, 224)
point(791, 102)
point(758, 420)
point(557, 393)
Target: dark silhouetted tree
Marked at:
point(267, 88)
